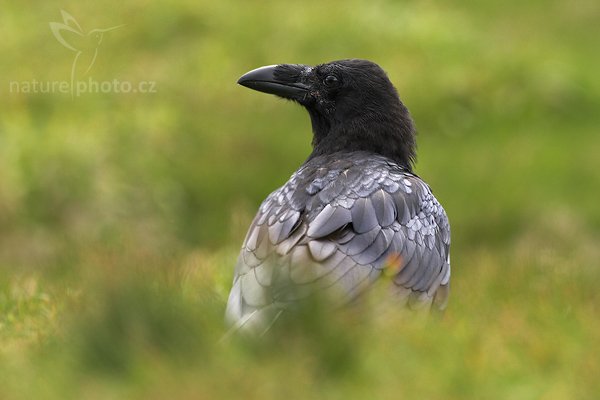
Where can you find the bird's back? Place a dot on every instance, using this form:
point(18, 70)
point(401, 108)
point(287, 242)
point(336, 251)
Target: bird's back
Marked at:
point(333, 227)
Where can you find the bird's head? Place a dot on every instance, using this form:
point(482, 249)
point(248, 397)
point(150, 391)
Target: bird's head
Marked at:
point(98, 34)
point(352, 104)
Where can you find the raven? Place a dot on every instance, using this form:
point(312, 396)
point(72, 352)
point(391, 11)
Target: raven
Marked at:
point(354, 208)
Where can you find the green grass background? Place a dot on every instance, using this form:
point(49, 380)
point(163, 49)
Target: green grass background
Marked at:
point(121, 214)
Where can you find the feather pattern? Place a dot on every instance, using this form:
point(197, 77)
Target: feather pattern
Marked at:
point(334, 225)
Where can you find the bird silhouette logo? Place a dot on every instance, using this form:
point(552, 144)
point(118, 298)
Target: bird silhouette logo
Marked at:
point(85, 45)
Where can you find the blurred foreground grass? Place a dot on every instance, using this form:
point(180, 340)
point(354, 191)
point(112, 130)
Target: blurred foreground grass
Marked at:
point(121, 214)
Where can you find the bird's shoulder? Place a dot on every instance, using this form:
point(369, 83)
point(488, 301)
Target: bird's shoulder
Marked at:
point(359, 189)
point(340, 180)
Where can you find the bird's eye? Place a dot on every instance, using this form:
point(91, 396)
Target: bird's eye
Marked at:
point(330, 80)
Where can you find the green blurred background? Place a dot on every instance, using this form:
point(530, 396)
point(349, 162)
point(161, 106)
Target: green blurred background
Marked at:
point(121, 213)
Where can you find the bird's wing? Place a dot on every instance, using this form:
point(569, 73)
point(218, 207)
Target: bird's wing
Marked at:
point(336, 228)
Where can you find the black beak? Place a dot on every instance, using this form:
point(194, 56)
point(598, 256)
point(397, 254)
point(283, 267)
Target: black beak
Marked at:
point(263, 79)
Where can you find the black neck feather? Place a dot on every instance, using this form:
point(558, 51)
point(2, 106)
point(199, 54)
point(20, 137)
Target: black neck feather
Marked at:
point(391, 134)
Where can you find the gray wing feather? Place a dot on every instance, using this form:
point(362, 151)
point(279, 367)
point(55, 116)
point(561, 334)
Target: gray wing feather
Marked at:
point(321, 249)
point(364, 217)
point(376, 249)
point(253, 293)
point(410, 265)
point(264, 273)
point(328, 220)
point(336, 228)
point(288, 244)
point(359, 242)
point(384, 208)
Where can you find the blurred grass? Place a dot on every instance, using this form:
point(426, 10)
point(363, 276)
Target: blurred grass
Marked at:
point(121, 214)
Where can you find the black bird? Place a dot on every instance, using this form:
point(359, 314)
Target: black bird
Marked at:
point(354, 208)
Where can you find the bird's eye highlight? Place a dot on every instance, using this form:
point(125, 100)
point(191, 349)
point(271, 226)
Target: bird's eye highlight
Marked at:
point(330, 80)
